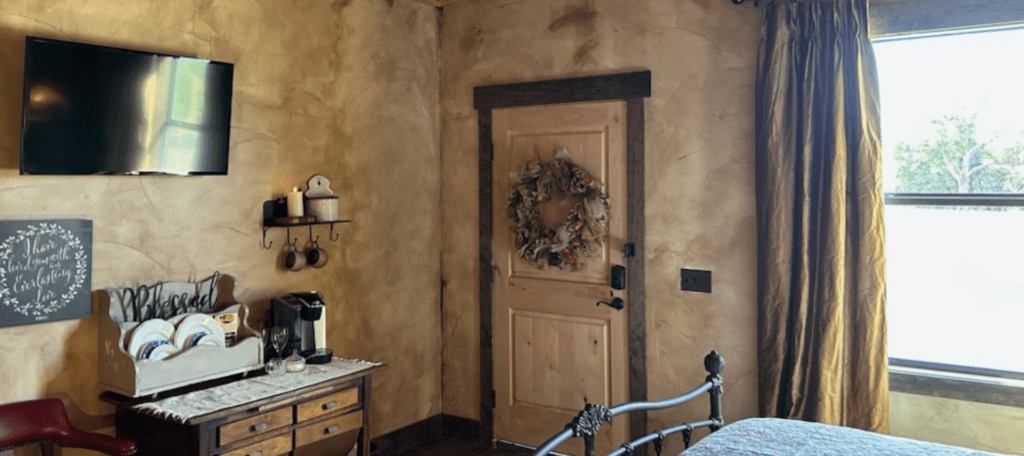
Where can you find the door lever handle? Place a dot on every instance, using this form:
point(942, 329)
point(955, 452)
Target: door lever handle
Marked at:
point(617, 303)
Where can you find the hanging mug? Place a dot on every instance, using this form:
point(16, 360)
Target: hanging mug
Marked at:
point(293, 259)
point(316, 257)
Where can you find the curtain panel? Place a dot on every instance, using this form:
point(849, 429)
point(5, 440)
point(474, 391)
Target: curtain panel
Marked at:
point(821, 264)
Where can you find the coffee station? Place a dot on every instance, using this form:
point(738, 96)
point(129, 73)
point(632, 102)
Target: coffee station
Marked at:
point(242, 391)
point(299, 321)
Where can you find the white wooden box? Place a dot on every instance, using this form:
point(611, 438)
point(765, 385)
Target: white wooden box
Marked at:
point(122, 309)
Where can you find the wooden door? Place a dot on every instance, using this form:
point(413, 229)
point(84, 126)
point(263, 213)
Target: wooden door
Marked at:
point(555, 349)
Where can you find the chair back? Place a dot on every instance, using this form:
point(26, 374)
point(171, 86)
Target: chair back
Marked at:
point(45, 421)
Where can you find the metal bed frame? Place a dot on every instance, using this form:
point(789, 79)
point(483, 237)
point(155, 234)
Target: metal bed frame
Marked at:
point(590, 419)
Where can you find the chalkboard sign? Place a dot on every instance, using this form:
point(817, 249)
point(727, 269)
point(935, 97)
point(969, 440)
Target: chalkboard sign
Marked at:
point(45, 270)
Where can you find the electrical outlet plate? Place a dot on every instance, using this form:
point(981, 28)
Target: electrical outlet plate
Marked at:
point(695, 280)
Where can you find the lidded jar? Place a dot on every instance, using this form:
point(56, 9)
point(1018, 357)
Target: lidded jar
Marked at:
point(320, 200)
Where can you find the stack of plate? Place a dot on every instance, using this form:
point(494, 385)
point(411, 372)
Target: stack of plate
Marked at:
point(157, 339)
point(152, 340)
point(198, 329)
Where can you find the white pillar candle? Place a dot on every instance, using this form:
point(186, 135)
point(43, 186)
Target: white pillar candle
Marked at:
point(295, 203)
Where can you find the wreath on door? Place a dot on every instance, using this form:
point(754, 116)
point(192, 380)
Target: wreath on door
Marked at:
point(585, 227)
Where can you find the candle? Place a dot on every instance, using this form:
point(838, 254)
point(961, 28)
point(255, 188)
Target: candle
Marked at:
point(295, 203)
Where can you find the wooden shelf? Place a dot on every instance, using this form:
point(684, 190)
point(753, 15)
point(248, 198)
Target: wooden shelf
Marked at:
point(276, 224)
point(273, 218)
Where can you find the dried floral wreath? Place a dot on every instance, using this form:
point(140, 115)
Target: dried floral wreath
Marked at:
point(581, 234)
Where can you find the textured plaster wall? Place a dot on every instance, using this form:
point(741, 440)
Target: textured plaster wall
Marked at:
point(347, 88)
point(970, 424)
point(699, 169)
point(699, 183)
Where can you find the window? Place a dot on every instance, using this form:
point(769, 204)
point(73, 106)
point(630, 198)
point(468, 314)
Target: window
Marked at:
point(953, 169)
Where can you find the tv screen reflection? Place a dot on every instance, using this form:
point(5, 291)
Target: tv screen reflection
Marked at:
point(98, 110)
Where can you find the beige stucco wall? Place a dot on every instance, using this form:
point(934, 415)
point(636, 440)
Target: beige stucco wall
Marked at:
point(344, 88)
point(963, 423)
point(349, 89)
point(699, 169)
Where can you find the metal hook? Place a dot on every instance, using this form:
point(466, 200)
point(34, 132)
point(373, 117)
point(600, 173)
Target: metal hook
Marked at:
point(314, 241)
point(264, 243)
point(288, 233)
point(333, 237)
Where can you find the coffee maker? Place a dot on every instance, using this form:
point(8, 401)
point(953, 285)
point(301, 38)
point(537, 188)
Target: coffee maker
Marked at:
point(303, 313)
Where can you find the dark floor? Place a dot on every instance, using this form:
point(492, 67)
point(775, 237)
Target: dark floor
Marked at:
point(461, 448)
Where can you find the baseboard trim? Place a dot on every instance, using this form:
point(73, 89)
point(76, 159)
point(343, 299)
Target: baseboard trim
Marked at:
point(422, 432)
point(426, 431)
point(458, 427)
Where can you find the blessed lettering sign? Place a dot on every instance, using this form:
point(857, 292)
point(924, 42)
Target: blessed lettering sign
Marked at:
point(163, 299)
point(45, 270)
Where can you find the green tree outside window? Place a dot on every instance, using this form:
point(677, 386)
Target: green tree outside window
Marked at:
point(954, 160)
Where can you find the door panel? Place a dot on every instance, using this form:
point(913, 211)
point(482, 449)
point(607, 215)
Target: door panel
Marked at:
point(555, 349)
point(569, 352)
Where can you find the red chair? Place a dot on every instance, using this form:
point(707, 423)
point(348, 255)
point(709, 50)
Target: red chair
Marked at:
point(45, 421)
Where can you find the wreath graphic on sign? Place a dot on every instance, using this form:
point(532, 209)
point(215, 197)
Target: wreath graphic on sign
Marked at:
point(579, 236)
point(75, 253)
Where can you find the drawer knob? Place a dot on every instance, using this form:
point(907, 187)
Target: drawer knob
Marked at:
point(259, 427)
point(331, 429)
point(330, 405)
point(258, 453)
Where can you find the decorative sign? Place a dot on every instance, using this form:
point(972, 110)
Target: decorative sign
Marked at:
point(163, 299)
point(45, 270)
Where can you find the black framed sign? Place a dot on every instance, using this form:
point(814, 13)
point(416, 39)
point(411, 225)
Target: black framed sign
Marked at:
point(45, 270)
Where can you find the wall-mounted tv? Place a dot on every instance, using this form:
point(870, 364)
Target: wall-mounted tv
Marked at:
point(90, 109)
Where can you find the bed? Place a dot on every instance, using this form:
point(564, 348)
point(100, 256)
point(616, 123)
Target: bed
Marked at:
point(748, 437)
point(779, 437)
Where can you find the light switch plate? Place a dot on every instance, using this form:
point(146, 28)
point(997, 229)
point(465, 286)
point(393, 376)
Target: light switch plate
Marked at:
point(695, 280)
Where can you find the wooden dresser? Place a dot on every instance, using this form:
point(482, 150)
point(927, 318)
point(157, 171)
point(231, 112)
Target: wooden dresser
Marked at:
point(328, 417)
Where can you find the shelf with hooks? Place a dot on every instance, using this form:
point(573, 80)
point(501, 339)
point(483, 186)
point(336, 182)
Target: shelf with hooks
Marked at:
point(270, 220)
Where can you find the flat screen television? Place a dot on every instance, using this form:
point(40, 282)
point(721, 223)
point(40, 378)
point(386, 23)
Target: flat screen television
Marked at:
point(90, 109)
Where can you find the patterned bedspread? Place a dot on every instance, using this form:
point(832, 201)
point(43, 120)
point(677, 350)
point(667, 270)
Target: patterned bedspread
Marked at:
point(779, 437)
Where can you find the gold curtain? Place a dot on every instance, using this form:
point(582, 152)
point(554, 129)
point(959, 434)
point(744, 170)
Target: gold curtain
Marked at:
point(821, 264)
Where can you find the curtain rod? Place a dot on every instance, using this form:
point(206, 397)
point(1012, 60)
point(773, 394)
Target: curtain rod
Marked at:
point(740, 2)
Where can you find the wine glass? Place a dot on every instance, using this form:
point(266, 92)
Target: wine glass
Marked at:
point(278, 338)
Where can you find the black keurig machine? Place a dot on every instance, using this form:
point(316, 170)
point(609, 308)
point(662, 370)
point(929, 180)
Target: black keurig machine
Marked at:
point(303, 314)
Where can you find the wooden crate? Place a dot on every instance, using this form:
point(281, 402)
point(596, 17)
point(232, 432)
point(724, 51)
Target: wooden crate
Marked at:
point(122, 309)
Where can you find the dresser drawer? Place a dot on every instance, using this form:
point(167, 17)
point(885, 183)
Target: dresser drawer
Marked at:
point(328, 428)
point(326, 405)
point(272, 447)
point(253, 426)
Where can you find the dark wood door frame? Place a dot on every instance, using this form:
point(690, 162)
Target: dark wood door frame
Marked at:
point(633, 88)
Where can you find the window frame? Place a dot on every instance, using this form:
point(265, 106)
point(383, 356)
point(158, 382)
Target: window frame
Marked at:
point(953, 381)
point(903, 18)
point(898, 19)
